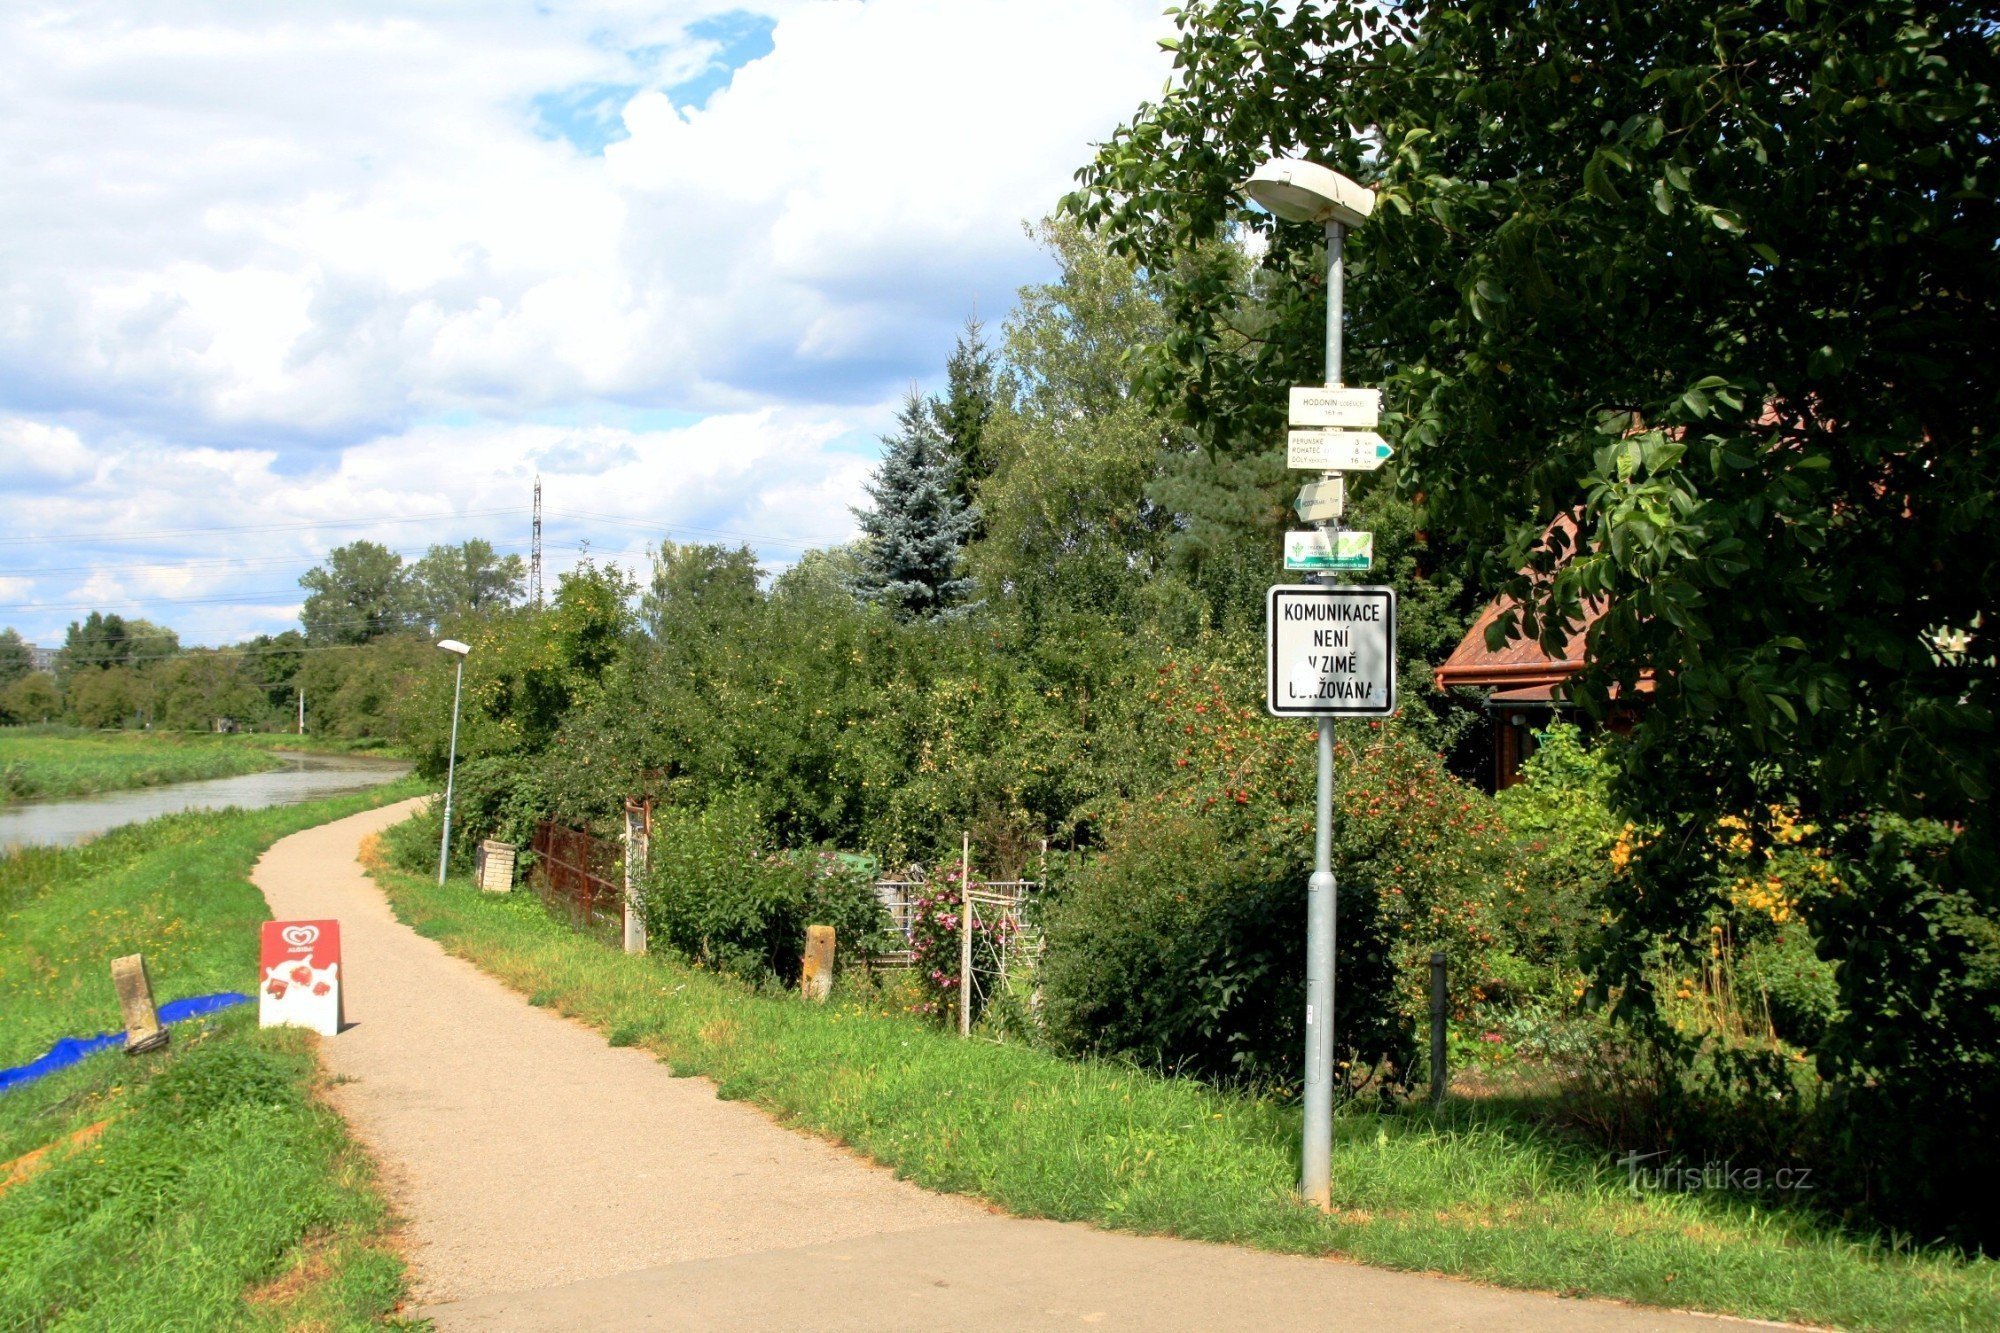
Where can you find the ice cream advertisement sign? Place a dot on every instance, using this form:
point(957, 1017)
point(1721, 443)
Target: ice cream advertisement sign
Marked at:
point(301, 976)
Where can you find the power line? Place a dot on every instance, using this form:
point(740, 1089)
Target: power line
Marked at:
point(251, 527)
point(40, 570)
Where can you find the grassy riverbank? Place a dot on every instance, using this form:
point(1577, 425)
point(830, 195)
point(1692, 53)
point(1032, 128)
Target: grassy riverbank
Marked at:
point(1470, 1192)
point(39, 762)
point(206, 1186)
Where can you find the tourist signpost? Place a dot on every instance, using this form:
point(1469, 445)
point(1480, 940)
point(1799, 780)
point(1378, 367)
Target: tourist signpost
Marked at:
point(1336, 450)
point(1332, 650)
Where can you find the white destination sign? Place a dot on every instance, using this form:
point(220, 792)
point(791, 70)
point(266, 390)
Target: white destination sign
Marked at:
point(1336, 450)
point(1360, 408)
point(1330, 651)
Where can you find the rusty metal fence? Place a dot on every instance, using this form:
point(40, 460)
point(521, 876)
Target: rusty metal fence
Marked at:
point(581, 875)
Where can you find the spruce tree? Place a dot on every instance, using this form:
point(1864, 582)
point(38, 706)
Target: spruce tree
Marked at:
point(919, 523)
point(961, 415)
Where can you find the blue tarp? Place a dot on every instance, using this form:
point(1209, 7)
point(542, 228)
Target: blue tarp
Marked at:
point(72, 1049)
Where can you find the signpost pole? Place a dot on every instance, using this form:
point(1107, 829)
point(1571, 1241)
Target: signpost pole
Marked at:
point(1322, 894)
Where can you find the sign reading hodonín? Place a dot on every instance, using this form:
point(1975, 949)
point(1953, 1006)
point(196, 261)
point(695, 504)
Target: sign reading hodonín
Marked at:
point(1330, 651)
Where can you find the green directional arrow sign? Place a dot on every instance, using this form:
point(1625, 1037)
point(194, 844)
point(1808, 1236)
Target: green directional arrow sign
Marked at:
point(1336, 450)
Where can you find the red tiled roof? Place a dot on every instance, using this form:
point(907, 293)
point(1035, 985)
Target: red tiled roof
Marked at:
point(1520, 662)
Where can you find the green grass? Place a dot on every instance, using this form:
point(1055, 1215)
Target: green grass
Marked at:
point(222, 1191)
point(1475, 1193)
point(38, 762)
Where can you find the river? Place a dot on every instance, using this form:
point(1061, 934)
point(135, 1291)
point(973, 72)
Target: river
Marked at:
point(304, 777)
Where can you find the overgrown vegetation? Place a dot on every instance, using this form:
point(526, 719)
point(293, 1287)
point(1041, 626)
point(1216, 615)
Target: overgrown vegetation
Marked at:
point(211, 1187)
point(1477, 1191)
point(54, 761)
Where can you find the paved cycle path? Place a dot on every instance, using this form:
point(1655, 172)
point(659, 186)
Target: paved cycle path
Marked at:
point(550, 1181)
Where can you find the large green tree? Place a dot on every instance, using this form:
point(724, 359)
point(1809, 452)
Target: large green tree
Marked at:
point(362, 592)
point(464, 579)
point(1719, 280)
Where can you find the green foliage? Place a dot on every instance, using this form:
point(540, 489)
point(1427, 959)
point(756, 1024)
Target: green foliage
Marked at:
point(469, 579)
point(1717, 281)
point(15, 659)
point(717, 892)
point(962, 414)
point(1184, 950)
point(102, 641)
point(1560, 822)
point(362, 592)
point(34, 698)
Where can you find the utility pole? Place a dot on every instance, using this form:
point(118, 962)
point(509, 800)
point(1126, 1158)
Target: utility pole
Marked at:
point(535, 550)
point(302, 712)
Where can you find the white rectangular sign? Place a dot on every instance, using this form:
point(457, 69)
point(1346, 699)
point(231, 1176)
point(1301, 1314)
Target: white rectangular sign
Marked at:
point(1359, 408)
point(1336, 450)
point(1330, 652)
point(1320, 501)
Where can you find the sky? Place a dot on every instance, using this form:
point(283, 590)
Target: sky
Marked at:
point(278, 277)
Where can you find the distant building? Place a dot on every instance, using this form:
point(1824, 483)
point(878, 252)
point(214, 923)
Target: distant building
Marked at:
point(42, 659)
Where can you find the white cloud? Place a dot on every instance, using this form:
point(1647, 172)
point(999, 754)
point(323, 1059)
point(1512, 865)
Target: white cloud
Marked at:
point(211, 541)
point(252, 255)
point(305, 222)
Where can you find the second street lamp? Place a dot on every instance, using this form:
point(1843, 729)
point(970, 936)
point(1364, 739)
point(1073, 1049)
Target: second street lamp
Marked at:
point(1307, 192)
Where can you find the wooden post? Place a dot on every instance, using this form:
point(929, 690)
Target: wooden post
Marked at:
point(135, 997)
point(1439, 1004)
point(965, 937)
point(816, 969)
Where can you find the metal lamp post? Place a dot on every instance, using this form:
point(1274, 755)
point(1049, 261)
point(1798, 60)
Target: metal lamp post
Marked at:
point(458, 650)
point(1307, 192)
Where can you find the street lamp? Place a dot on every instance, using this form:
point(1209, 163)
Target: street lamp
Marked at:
point(1307, 192)
point(458, 650)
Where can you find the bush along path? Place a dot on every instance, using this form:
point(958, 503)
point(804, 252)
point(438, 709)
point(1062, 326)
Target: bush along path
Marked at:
point(204, 1186)
point(1038, 1136)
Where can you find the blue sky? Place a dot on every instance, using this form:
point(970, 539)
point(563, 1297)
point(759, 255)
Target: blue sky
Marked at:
point(277, 277)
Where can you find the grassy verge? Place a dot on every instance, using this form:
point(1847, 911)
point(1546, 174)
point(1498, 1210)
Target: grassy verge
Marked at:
point(38, 763)
point(1476, 1194)
point(207, 1186)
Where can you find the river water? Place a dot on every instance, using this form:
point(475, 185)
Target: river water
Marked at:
point(304, 777)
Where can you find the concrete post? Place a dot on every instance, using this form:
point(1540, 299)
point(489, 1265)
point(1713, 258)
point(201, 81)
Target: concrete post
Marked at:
point(816, 968)
point(135, 998)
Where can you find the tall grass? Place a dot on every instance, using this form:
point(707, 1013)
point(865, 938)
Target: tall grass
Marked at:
point(1474, 1193)
point(38, 762)
point(219, 1190)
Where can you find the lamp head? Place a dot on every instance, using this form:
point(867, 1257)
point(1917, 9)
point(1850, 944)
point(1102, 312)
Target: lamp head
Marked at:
point(454, 646)
point(1307, 192)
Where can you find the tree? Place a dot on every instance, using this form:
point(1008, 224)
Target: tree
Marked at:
point(104, 640)
point(1719, 281)
point(962, 414)
point(32, 698)
point(362, 592)
point(1074, 445)
point(465, 579)
point(15, 659)
point(195, 689)
point(918, 526)
point(699, 583)
point(272, 662)
point(111, 696)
